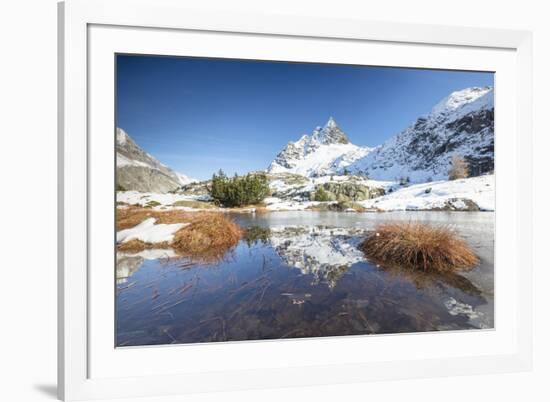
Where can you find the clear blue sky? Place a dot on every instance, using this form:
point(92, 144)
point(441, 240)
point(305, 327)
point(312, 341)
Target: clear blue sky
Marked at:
point(197, 115)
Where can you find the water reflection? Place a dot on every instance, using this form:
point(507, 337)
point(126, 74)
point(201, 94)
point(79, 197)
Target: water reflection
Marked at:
point(128, 263)
point(126, 266)
point(289, 278)
point(325, 253)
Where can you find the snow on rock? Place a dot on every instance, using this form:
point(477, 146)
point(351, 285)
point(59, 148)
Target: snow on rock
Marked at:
point(148, 232)
point(439, 195)
point(300, 188)
point(122, 160)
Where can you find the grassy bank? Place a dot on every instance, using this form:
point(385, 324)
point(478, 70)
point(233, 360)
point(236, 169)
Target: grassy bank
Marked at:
point(206, 236)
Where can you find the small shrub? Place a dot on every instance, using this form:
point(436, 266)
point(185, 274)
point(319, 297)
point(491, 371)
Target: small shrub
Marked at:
point(238, 190)
point(120, 187)
point(152, 204)
point(459, 168)
point(321, 195)
point(419, 246)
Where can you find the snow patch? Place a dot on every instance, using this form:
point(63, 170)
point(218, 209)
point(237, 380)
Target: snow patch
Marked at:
point(435, 195)
point(148, 232)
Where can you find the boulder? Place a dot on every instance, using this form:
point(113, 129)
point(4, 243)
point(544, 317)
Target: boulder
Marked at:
point(350, 191)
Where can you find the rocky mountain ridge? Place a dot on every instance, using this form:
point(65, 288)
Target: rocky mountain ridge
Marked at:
point(462, 124)
point(139, 171)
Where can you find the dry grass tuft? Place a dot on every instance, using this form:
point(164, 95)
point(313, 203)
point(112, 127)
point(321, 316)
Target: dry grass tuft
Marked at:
point(419, 246)
point(209, 237)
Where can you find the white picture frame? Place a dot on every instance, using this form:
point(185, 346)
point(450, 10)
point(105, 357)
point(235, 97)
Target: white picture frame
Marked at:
point(90, 32)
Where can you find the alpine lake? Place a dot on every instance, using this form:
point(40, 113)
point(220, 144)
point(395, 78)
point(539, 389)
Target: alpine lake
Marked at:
point(301, 275)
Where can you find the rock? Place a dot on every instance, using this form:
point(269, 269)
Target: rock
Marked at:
point(460, 204)
point(346, 206)
point(351, 191)
point(144, 179)
point(197, 188)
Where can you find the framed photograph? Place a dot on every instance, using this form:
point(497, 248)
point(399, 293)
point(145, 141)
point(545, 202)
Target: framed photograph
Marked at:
point(252, 201)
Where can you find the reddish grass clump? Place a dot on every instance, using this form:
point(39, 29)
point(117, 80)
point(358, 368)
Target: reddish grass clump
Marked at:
point(208, 237)
point(419, 246)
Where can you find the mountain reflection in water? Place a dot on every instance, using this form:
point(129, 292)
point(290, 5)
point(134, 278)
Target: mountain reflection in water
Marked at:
point(294, 280)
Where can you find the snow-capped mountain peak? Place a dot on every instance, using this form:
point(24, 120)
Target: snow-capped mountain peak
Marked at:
point(330, 133)
point(326, 151)
point(460, 98)
point(331, 123)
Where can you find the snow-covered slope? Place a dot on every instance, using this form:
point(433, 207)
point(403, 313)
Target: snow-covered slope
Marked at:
point(326, 151)
point(472, 193)
point(139, 171)
point(462, 125)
